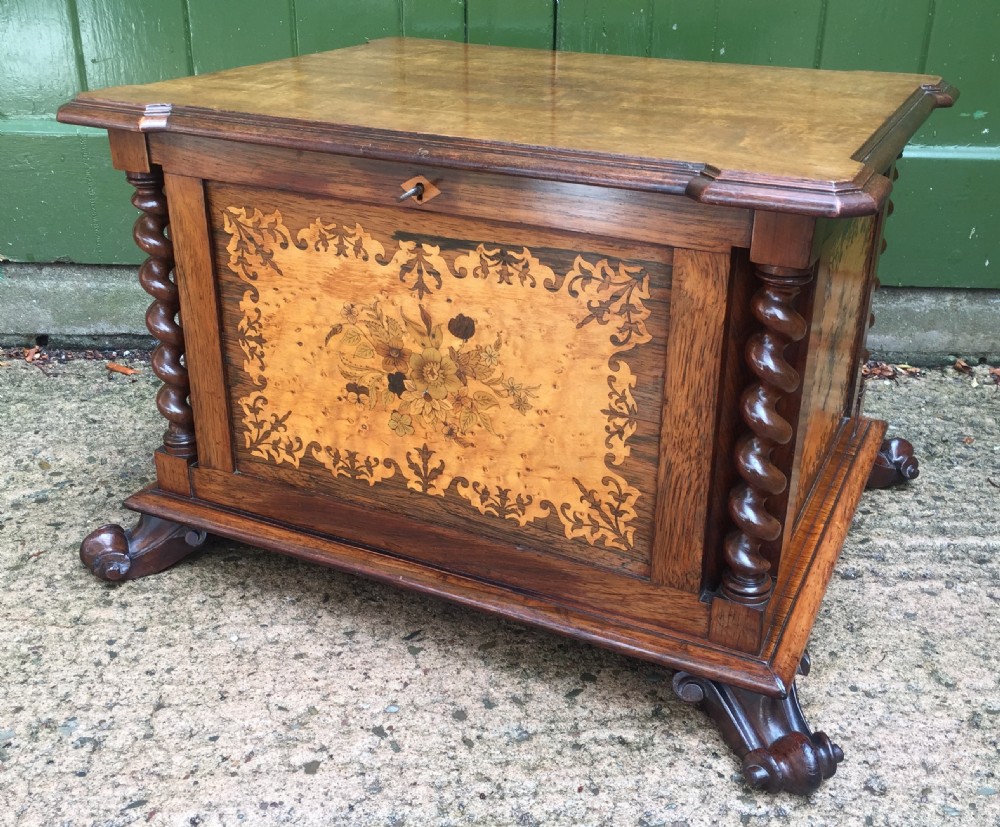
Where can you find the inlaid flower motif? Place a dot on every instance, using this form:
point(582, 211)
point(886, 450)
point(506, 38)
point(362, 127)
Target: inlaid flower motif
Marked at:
point(395, 357)
point(358, 394)
point(397, 382)
point(421, 404)
point(462, 327)
point(401, 424)
point(425, 375)
point(462, 401)
point(434, 373)
point(490, 356)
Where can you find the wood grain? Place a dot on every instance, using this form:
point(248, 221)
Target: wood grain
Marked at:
point(796, 148)
point(839, 316)
point(736, 626)
point(549, 390)
point(698, 295)
point(414, 537)
point(333, 308)
point(625, 214)
point(129, 151)
point(172, 473)
point(671, 649)
point(199, 311)
point(816, 545)
point(782, 240)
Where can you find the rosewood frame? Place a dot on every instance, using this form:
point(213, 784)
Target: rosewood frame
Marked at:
point(756, 597)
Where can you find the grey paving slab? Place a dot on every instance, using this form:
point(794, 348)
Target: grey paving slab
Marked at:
point(242, 687)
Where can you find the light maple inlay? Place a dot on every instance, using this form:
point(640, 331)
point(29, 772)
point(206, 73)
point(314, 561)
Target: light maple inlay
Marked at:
point(382, 359)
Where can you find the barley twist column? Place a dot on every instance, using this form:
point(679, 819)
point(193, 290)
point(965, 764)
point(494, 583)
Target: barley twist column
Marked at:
point(746, 578)
point(161, 318)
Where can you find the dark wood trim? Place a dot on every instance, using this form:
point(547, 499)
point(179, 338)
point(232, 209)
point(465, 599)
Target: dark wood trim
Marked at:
point(154, 544)
point(894, 464)
point(200, 314)
point(882, 149)
point(746, 578)
point(156, 277)
point(783, 240)
point(699, 181)
point(520, 567)
point(619, 213)
point(816, 544)
point(780, 752)
point(698, 299)
point(667, 648)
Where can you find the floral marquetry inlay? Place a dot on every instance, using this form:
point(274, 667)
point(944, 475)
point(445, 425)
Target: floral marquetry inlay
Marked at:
point(390, 358)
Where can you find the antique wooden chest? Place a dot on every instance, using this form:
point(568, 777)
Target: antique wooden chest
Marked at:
point(570, 338)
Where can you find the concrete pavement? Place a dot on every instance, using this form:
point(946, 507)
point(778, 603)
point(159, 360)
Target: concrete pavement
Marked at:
point(242, 687)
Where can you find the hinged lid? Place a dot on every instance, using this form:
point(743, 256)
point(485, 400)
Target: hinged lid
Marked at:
point(795, 140)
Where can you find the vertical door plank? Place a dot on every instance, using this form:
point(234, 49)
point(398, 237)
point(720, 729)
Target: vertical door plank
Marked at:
point(698, 295)
point(135, 42)
point(440, 19)
point(226, 33)
point(683, 30)
point(333, 24)
point(887, 36)
point(528, 23)
point(38, 59)
point(769, 32)
point(620, 27)
point(199, 313)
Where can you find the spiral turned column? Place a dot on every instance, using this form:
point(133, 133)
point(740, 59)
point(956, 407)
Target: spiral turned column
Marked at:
point(161, 318)
point(746, 578)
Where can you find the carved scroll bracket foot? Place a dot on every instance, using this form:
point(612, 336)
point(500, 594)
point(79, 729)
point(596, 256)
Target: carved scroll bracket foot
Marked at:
point(779, 751)
point(114, 553)
point(894, 464)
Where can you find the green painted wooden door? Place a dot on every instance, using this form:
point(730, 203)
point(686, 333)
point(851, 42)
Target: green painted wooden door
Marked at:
point(61, 201)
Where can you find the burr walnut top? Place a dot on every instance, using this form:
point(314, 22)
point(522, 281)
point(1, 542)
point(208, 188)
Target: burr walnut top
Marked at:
point(798, 140)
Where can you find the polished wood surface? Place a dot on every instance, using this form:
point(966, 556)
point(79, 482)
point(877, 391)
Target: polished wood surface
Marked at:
point(839, 310)
point(198, 294)
point(448, 316)
point(598, 210)
point(698, 297)
point(517, 373)
point(743, 131)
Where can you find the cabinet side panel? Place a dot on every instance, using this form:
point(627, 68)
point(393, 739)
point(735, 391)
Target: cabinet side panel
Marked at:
point(839, 315)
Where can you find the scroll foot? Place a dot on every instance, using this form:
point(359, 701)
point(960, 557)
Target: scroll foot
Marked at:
point(779, 751)
point(894, 465)
point(113, 553)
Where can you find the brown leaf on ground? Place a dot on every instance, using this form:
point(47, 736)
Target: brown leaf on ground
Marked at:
point(968, 440)
point(962, 367)
point(31, 353)
point(995, 375)
point(909, 370)
point(878, 370)
point(114, 367)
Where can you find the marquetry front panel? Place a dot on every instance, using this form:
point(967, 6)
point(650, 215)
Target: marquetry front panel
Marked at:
point(496, 379)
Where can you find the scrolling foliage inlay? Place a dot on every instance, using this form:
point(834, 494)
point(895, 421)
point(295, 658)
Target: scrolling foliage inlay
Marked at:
point(443, 373)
